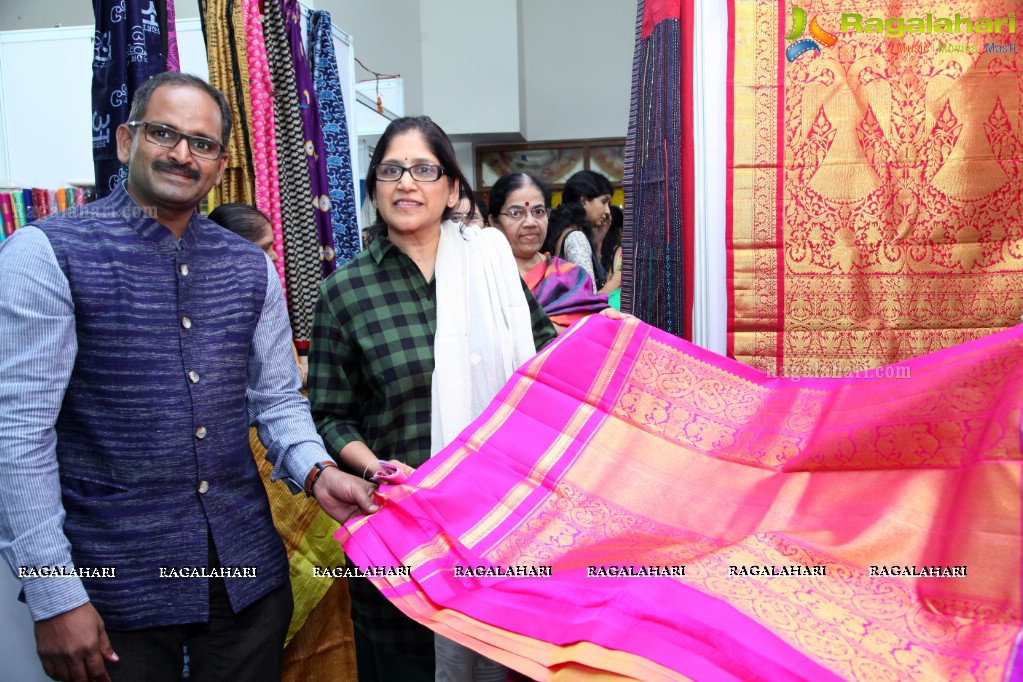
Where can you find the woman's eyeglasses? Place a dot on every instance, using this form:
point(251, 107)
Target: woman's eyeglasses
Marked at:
point(466, 218)
point(421, 172)
point(518, 214)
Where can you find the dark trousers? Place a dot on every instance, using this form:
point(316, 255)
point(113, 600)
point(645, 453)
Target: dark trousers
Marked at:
point(231, 647)
point(375, 665)
point(389, 646)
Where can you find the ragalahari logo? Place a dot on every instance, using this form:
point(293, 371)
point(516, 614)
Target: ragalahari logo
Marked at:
point(797, 49)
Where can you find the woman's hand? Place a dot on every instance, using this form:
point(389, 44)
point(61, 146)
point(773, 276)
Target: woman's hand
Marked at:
point(402, 467)
point(613, 314)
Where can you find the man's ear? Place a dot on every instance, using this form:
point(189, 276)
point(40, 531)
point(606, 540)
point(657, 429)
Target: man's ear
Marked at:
point(124, 140)
point(223, 166)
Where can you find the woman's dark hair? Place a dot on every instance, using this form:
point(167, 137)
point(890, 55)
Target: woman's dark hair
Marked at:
point(245, 221)
point(477, 207)
point(436, 140)
point(506, 184)
point(584, 184)
point(481, 208)
point(613, 238)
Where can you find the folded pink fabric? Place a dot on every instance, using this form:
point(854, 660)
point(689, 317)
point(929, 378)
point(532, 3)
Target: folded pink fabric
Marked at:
point(389, 474)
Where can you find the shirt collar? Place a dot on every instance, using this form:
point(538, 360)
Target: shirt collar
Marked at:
point(142, 221)
point(380, 247)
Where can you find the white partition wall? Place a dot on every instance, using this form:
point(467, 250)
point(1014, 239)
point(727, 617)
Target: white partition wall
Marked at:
point(45, 107)
point(710, 78)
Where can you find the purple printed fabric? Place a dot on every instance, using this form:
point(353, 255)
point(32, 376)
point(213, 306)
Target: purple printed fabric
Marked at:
point(173, 59)
point(336, 144)
point(313, 134)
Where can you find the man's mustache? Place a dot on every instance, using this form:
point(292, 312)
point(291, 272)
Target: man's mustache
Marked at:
point(171, 167)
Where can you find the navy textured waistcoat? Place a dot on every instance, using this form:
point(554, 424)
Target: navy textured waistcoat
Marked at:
point(152, 436)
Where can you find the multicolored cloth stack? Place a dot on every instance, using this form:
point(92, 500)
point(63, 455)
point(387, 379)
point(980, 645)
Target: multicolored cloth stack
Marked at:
point(19, 207)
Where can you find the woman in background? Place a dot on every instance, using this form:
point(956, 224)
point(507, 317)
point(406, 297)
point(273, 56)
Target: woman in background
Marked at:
point(470, 209)
point(579, 225)
point(247, 222)
point(519, 207)
point(320, 646)
point(611, 255)
point(398, 369)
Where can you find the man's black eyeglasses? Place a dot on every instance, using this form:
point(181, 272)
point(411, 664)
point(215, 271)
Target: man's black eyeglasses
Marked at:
point(165, 136)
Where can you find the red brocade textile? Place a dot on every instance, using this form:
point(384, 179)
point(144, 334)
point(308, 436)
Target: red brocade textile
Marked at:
point(874, 180)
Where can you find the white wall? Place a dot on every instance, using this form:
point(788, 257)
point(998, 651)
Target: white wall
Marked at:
point(568, 61)
point(387, 39)
point(565, 64)
point(578, 67)
point(64, 152)
point(470, 66)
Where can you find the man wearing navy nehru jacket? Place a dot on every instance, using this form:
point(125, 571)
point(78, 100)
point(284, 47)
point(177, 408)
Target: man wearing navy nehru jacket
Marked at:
point(138, 341)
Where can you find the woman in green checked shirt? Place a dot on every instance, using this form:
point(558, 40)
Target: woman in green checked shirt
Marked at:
point(392, 342)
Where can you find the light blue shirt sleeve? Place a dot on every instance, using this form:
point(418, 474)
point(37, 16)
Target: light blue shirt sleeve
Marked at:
point(37, 353)
point(276, 403)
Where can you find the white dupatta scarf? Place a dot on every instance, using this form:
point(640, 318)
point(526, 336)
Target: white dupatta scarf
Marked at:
point(483, 326)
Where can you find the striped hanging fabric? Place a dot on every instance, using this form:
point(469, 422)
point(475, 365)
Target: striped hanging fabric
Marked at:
point(173, 57)
point(261, 126)
point(301, 246)
point(327, 82)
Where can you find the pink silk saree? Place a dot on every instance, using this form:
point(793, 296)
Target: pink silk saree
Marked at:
point(621, 447)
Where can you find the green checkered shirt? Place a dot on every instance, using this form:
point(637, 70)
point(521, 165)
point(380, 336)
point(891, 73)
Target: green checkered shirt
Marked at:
point(371, 355)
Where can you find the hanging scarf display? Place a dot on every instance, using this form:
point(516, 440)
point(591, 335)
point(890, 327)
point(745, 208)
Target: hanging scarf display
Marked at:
point(327, 82)
point(127, 51)
point(301, 248)
point(261, 126)
point(316, 159)
point(228, 71)
point(173, 57)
